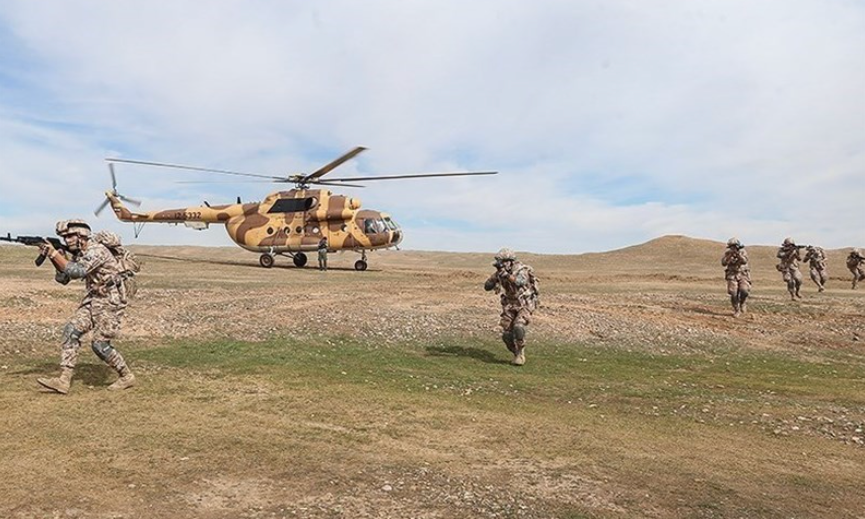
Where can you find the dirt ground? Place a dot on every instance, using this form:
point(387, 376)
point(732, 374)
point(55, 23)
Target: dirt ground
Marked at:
point(380, 435)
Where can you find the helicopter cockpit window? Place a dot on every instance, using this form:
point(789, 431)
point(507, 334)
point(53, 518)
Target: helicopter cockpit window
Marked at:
point(292, 205)
point(371, 226)
point(391, 224)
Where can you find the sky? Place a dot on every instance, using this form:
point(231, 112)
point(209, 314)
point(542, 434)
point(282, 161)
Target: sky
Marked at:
point(610, 122)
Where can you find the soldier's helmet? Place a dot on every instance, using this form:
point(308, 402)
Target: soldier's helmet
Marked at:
point(789, 241)
point(857, 252)
point(61, 227)
point(506, 254)
point(734, 242)
point(76, 226)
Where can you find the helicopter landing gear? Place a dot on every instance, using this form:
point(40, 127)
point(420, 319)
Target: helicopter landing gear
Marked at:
point(266, 260)
point(360, 265)
point(299, 259)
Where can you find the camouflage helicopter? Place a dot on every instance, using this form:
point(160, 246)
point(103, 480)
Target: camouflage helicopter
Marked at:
point(286, 223)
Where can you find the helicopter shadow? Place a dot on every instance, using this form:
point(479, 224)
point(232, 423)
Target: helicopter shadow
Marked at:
point(247, 265)
point(461, 351)
point(95, 375)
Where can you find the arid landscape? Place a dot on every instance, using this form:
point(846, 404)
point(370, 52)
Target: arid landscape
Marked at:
point(286, 392)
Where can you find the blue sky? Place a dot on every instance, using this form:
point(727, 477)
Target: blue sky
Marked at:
point(612, 122)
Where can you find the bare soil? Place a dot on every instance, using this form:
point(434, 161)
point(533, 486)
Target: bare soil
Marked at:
point(370, 432)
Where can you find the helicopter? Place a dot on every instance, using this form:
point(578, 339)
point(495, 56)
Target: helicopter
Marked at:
point(285, 223)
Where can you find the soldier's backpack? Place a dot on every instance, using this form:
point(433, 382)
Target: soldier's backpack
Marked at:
point(534, 291)
point(129, 264)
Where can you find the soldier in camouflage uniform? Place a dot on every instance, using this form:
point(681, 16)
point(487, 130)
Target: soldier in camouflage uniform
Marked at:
point(816, 260)
point(788, 266)
point(518, 286)
point(102, 308)
point(737, 272)
point(856, 264)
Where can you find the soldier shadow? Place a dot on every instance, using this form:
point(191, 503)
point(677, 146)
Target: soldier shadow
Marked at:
point(88, 374)
point(461, 351)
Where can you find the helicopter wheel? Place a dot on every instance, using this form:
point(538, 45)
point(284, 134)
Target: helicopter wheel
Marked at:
point(299, 259)
point(360, 265)
point(266, 260)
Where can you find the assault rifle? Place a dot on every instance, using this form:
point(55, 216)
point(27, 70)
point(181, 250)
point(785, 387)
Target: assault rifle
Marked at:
point(35, 241)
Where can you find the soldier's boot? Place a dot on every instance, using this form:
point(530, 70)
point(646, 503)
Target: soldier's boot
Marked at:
point(60, 384)
point(126, 380)
point(519, 357)
point(820, 288)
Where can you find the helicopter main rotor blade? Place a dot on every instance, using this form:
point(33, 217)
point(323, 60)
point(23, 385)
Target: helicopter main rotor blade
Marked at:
point(101, 207)
point(193, 168)
point(333, 164)
point(336, 184)
point(231, 181)
point(422, 175)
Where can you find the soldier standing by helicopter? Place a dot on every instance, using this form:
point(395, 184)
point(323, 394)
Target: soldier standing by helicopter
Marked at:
point(322, 254)
point(102, 308)
point(519, 298)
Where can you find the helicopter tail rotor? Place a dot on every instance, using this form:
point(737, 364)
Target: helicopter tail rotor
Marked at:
point(114, 192)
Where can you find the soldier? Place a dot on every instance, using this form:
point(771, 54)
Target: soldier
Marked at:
point(790, 257)
point(856, 264)
point(816, 259)
point(322, 254)
point(102, 308)
point(737, 272)
point(519, 298)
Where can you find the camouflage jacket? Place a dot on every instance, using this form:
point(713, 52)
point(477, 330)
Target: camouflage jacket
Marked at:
point(735, 261)
point(100, 271)
point(790, 258)
point(519, 293)
point(854, 260)
point(816, 258)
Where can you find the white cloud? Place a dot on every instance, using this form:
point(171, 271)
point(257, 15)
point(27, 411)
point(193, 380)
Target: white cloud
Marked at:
point(612, 121)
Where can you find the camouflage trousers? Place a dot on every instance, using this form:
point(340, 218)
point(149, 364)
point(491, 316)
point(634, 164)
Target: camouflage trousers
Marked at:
point(100, 316)
point(793, 278)
point(819, 276)
point(514, 320)
point(858, 274)
point(737, 283)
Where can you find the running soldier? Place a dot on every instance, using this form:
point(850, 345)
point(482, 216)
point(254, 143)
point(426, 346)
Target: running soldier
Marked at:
point(737, 272)
point(856, 264)
point(790, 257)
point(816, 260)
point(102, 308)
point(519, 297)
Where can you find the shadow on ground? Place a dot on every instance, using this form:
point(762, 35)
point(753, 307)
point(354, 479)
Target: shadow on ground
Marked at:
point(461, 351)
point(96, 375)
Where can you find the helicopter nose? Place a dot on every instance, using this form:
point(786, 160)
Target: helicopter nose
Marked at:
point(396, 237)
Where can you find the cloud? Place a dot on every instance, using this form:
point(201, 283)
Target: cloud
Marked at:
point(611, 121)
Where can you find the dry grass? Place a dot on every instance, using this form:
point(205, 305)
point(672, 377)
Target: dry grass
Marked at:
point(294, 393)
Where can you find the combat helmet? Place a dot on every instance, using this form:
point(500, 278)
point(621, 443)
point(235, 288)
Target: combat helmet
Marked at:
point(506, 254)
point(61, 227)
point(788, 242)
point(76, 226)
point(857, 251)
point(734, 242)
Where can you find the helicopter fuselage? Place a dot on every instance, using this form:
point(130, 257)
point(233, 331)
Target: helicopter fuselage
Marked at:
point(285, 222)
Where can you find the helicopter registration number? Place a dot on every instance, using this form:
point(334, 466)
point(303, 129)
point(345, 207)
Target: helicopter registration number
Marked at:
point(183, 215)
